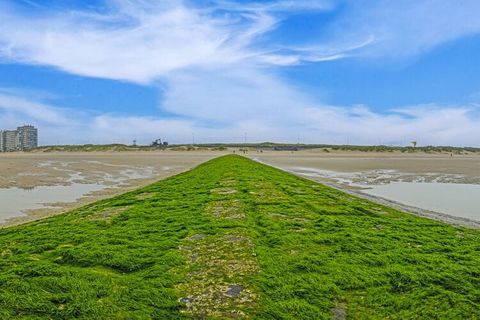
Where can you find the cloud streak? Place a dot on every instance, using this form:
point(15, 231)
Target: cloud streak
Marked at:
point(406, 28)
point(429, 124)
point(141, 41)
point(220, 78)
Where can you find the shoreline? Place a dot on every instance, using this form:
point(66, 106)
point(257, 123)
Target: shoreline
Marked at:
point(89, 165)
point(442, 217)
point(112, 190)
point(32, 215)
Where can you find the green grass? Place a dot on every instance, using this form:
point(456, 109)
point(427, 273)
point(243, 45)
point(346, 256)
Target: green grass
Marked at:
point(299, 250)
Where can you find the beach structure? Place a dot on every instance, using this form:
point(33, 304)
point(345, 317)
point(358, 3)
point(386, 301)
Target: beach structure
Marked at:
point(27, 137)
point(24, 138)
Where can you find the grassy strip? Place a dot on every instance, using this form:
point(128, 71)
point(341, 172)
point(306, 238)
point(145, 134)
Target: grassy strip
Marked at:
point(234, 238)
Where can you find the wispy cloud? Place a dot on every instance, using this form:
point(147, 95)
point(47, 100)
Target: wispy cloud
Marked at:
point(406, 28)
point(219, 77)
point(32, 3)
point(275, 6)
point(429, 124)
point(31, 110)
point(142, 41)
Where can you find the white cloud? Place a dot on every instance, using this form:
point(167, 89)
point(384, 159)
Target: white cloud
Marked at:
point(232, 94)
point(220, 80)
point(32, 110)
point(277, 6)
point(131, 45)
point(428, 124)
point(406, 28)
point(141, 41)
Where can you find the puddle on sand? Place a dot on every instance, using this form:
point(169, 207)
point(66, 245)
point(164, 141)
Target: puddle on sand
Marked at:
point(429, 191)
point(455, 199)
point(15, 201)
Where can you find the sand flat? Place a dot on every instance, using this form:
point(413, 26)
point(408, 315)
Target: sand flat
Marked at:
point(377, 176)
point(352, 161)
point(116, 172)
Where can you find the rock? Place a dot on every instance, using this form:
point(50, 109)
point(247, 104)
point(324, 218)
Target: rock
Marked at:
point(234, 290)
point(339, 314)
point(300, 219)
point(186, 300)
point(197, 237)
point(277, 215)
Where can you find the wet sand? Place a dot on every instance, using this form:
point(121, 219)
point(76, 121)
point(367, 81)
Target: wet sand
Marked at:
point(461, 168)
point(115, 172)
point(355, 172)
point(118, 172)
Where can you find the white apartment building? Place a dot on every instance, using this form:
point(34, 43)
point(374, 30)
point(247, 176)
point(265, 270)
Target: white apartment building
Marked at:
point(24, 138)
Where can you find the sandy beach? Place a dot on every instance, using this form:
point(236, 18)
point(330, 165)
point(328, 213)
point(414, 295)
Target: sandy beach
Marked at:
point(113, 172)
point(354, 172)
point(462, 168)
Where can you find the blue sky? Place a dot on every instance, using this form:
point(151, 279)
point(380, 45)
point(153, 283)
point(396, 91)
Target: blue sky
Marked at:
point(326, 71)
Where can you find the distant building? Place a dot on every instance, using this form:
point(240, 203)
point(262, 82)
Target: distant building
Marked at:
point(158, 143)
point(10, 140)
point(24, 138)
point(27, 137)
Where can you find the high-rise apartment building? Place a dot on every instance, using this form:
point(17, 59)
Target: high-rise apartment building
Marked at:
point(10, 139)
point(27, 137)
point(24, 138)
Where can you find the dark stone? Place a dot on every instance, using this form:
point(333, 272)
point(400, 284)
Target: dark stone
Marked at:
point(197, 237)
point(186, 300)
point(234, 290)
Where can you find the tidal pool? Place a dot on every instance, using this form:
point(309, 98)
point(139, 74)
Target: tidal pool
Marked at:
point(15, 201)
point(455, 199)
point(439, 192)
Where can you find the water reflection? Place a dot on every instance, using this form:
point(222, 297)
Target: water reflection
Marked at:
point(456, 199)
point(15, 201)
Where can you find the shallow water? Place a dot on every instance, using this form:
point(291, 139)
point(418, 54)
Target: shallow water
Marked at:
point(455, 199)
point(15, 201)
point(460, 200)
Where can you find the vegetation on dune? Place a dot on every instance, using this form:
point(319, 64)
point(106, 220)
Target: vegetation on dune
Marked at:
point(237, 239)
point(259, 146)
point(92, 148)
